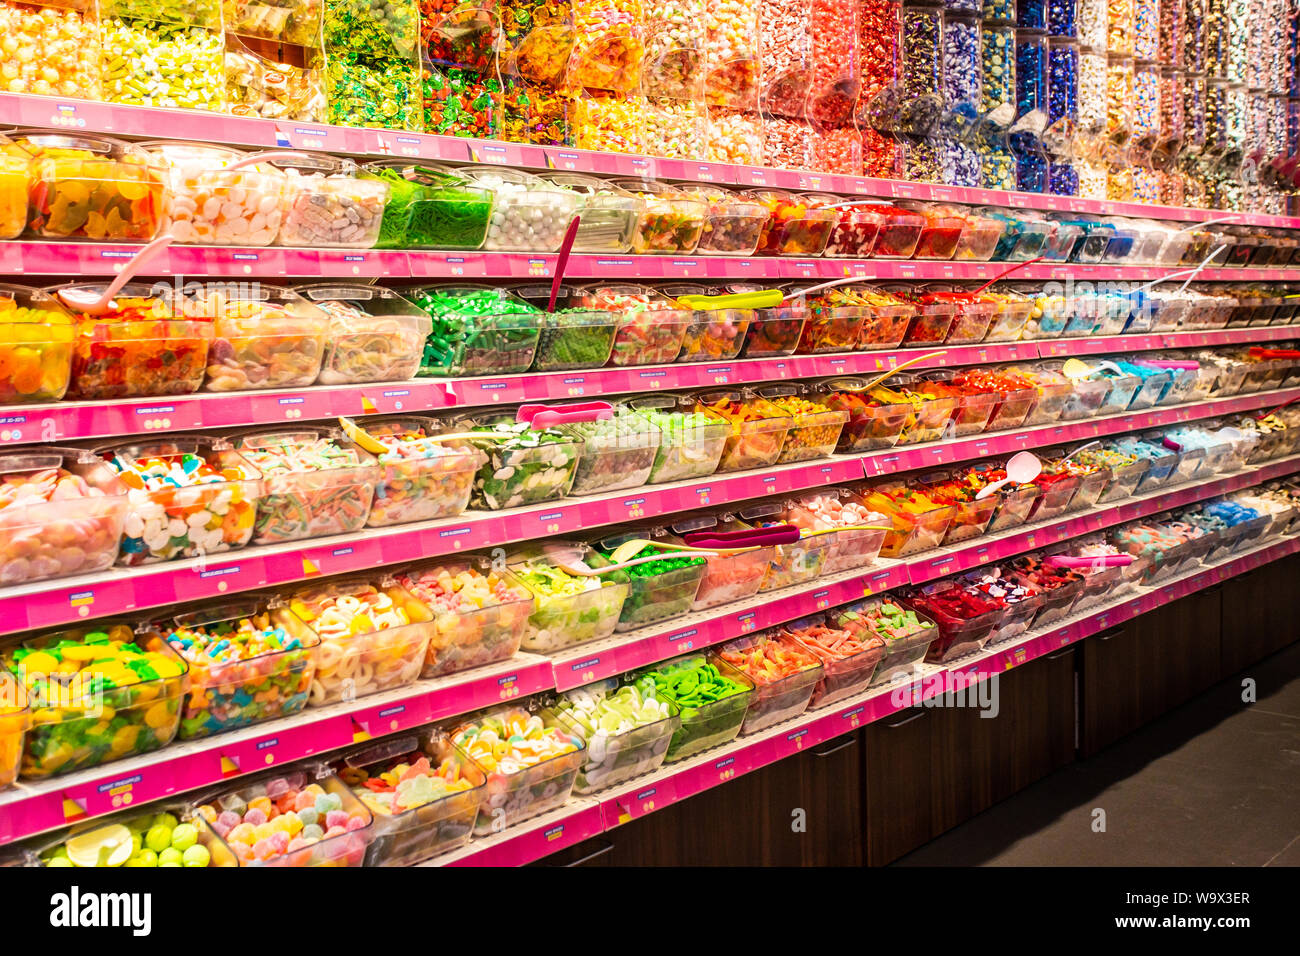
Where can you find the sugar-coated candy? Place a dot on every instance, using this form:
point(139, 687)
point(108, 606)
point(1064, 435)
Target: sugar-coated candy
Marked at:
point(712, 698)
point(626, 728)
point(568, 609)
point(784, 673)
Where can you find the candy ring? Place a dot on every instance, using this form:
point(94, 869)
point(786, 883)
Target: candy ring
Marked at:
point(348, 662)
point(327, 657)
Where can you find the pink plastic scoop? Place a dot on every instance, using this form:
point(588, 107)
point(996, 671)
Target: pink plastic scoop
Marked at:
point(1170, 363)
point(1101, 561)
point(541, 417)
point(87, 302)
point(744, 538)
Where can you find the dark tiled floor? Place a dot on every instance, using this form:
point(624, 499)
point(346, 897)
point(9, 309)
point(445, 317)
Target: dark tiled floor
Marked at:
point(1214, 783)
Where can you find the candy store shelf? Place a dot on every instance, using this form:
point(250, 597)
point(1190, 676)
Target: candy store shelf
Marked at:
point(42, 258)
point(31, 807)
point(122, 590)
point(149, 122)
point(675, 782)
point(73, 421)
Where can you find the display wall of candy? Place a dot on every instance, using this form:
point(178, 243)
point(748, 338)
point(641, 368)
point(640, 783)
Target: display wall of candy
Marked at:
point(68, 38)
point(262, 87)
point(167, 56)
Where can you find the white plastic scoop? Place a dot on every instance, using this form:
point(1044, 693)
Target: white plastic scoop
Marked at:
point(258, 158)
point(88, 302)
point(1022, 468)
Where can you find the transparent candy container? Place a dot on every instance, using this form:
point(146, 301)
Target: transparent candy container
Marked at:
point(607, 122)
point(249, 660)
point(657, 590)
point(798, 224)
point(797, 556)
point(712, 698)
point(316, 483)
point(63, 514)
point(942, 232)
point(974, 407)
point(422, 791)
point(138, 690)
point(530, 214)
point(208, 204)
point(36, 346)
point(651, 328)
point(856, 533)
point(373, 638)
point(775, 331)
point(906, 633)
point(121, 839)
point(627, 728)
point(170, 56)
point(835, 322)
point(732, 54)
point(480, 612)
point(92, 187)
point(815, 428)
point(568, 609)
point(258, 85)
point(189, 496)
point(372, 63)
point(672, 80)
point(854, 235)
point(672, 221)
point(965, 618)
point(429, 207)
point(476, 330)
point(713, 335)
point(372, 334)
point(144, 345)
point(420, 478)
point(733, 224)
point(849, 660)
point(609, 214)
point(264, 337)
point(690, 443)
point(919, 522)
point(971, 515)
point(536, 41)
point(728, 575)
point(531, 768)
point(873, 424)
point(758, 428)
point(899, 233)
point(617, 452)
point(314, 793)
point(576, 335)
point(784, 673)
point(328, 204)
point(522, 464)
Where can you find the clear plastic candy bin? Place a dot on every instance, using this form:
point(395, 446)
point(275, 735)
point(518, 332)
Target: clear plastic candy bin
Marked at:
point(77, 720)
point(317, 483)
point(568, 609)
point(209, 204)
point(372, 638)
point(671, 221)
point(92, 187)
point(327, 204)
point(732, 225)
point(15, 721)
point(965, 618)
point(271, 677)
point(907, 634)
point(872, 424)
point(784, 674)
point(521, 465)
point(919, 523)
point(657, 591)
point(855, 532)
point(530, 214)
point(521, 784)
point(263, 336)
point(617, 453)
point(476, 330)
point(480, 614)
point(849, 660)
point(191, 495)
point(790, 564)
point(146, 345)
point(294, 792)
point(119, 840)
point(609, 213)
point(690, 443)
point(713, 335)
point(814, 429)
point(627, 729)
point(36, 342)
point(63, 514)
point(576, 335)
point(758, 428)
point(412, 821)
point(419, 478)
point(712, 699)
point(372, 335)
point(650, 327)
point(727, 577)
